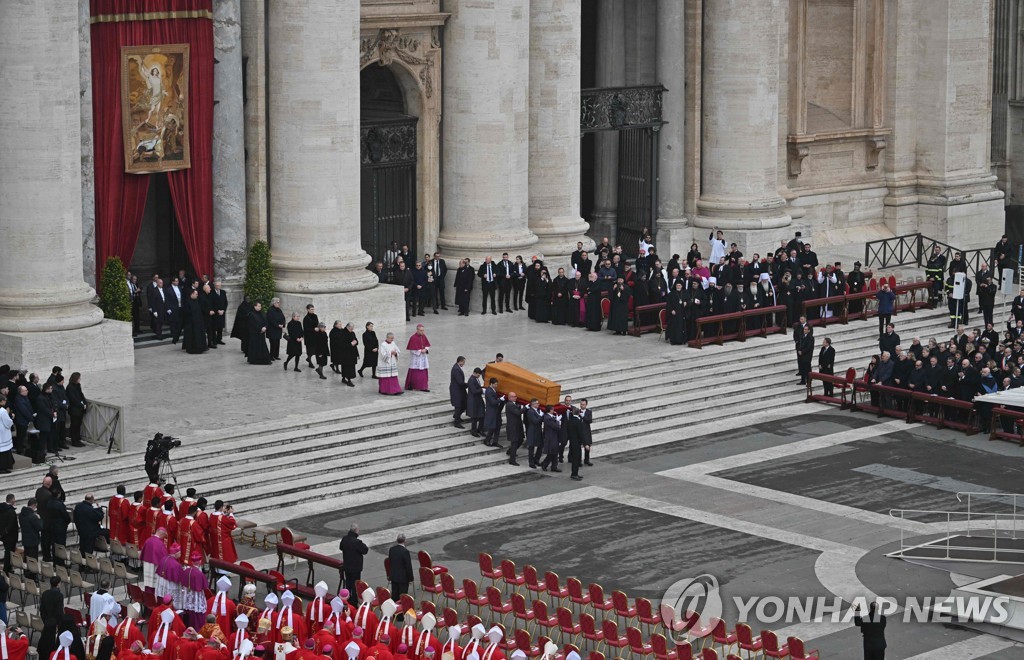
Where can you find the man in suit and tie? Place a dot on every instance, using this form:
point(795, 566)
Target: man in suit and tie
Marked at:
point(872, 629)
point(156, 299)
point(219, 305)
point(134, 294)
point(827, 362)
point(457, 391)
point(493, 403)
point(352, 552)
point(488, 275)
point(505, 284)
point(439, 269)
point(400, 562)
point(173, 296)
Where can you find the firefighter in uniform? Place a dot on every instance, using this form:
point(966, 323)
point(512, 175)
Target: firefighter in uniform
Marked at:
point(934, 270)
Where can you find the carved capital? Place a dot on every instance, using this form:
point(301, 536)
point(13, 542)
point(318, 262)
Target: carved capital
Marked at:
point(797, 153)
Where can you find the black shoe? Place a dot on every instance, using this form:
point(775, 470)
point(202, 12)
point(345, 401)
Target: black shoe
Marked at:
point(286, 366)
point(77, 444)
point(533, 466)
point(508, 310)
point(555, 469)
point(436, 312)
point(458, 426)
point(443, 307)
point(544, 467)
point(350, 383)
point(483, 312)
point(296, 370)
point(512, 462)
point(576, 477)
point(588, 463)
point(474, 434)
point(494, 312)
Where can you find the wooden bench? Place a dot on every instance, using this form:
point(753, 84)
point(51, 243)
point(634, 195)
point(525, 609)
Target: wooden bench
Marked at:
point(312, 560)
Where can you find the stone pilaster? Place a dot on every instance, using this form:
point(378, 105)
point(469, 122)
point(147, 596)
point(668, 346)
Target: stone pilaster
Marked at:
point(228, 146)
point(611, 72)
point(486, 130)
point(673, 232)
point(313, 63)
point(255, 110)
point(88, 165)
point(46, 311)
point(554, 177)
point(739, 167)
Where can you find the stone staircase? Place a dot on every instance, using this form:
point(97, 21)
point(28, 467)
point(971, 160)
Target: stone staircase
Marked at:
point(357, 456)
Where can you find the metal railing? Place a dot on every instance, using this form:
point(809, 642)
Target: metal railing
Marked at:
point(915, 249)
point(990, 496)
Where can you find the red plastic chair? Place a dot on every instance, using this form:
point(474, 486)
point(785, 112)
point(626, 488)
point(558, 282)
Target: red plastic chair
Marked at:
point(589, 629)
point(611, 635)
point(566, 625)
point(509, 575)
point(526, 645)
point(797, 650)
point(622, 609)
point(451, 592)
point(721, 636)
point(770, 645)
point(288, 538)
point(473, 597)
point(429, 583)
point(424, 559)
point(575, 589)
point(646, 614)
point(659, 646)
point(554, 588)
point(495, 604)
point(541, 617)
point(746, 640)
point(487, 570)
point(519, 610)
point(636, 642)
point(532, 581)
point(597, 600)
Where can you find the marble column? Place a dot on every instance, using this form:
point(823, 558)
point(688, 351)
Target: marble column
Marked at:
point(739, 169)
point(957, 198)
point(255, 55)
point(673, 232)
point(46, 311)
point(554, 175)
point(314, 164)
point(229, 228)
point(486, 131)
point(611, 72)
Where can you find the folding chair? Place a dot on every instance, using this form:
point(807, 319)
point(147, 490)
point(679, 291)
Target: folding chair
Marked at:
point(121, 573)
point(32, 590)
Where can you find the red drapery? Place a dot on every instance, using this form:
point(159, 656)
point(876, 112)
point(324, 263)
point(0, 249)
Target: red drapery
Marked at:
point(121, 197)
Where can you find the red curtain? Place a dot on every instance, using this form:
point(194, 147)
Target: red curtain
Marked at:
point(121, 197)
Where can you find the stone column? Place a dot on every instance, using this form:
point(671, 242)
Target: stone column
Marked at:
point(46, 311)
point(255, 109)
point(314, 164)
point(673, 233)
point(555, 129)
point(739, 172)
point(486, 131)
point(958, 201)
point(228, 147)
point(611, 72)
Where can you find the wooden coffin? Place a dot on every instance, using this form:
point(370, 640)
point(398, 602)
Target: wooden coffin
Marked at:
point(526, 384)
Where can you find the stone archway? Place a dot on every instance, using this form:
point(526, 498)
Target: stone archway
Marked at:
point(409, 47)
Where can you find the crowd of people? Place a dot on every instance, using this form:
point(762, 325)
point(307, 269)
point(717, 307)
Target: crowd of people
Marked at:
point(37, 418)
point(191, 310)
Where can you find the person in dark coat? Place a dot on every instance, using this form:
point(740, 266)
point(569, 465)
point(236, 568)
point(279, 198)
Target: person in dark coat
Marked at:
point(618, 318)
point(295, 335)
point(542, 297)
point(676, 309)
point(59, 396)
point(400, 561)
point(334, 341)
point(514, 426)
point(238, 328)
point(219, 307)
point(352, 552)
point(371, 348)
point(465, 278)
point(316, 344)
point(804, 352)
point(8, 529)
point(586, 436)
point(457, 391)
point(560, 299)
point(45, 417)
point(827, 362)
point(872, 629)
point(593, 303)
point(575, 443)
point(534, 420)
point(475, 402)
point(552, 428)
point(77, 405)
point(31, 529)
point(310, 323)
point(194, 341)
point(493, 403)
point(275, 328)
point(57, 522)
point(257, 326)
point(51, 611)
point(77, 647)
point(349, 354)
point(88, 522)
point(206, 304)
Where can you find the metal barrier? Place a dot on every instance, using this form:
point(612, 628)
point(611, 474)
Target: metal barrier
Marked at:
point(948, 546)
point(915, 249)
point(103, 425)
point(741, 332)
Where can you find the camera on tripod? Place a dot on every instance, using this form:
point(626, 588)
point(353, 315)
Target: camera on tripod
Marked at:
point(158, 455)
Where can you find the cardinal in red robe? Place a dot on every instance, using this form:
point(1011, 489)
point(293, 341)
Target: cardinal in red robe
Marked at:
point(118, 510)
point(127, 632)
point(13, 645)
point(221, 606)
point(318, 609)
point(287, 617)
point(221, 524)
point(188, 645)
point(365, 618)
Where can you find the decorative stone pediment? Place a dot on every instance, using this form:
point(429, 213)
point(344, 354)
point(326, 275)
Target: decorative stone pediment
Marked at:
point(390, 44)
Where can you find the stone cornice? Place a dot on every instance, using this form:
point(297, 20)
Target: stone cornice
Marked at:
point(403, 21)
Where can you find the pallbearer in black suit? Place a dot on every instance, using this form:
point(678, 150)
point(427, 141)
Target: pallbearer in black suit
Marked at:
point(572, 419)
point(586, 437)
point(310, 322)
point(518, 283)
point(475, 402)
point(514, 426)
point(457, 391)
point(827, 362)
point(295, 340)
point(174, 304)
point(371, 348)
point(275, 328)
point(505, 283)
point(439, 269)
point(464, 280)
point(552, 428)
point(534, 432)
point(488, 275)
point(492, 413)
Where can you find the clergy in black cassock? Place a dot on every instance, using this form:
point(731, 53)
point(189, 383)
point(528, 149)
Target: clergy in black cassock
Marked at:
point(238, 329)
point(676, 310)
point(258, 353)
point(593, 302)
point(618, 318)
point(194, 326)
point(275, 328)
point(336, 343)
point(370, 347)
point(542, 298)
point(560, 298)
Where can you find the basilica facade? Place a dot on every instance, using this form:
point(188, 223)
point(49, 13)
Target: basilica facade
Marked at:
point(476, 127)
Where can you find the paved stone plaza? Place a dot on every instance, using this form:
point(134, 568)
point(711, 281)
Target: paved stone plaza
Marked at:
point(706, 462)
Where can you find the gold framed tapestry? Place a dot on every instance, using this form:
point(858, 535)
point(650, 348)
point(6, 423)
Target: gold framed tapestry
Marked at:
point(154, 108)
